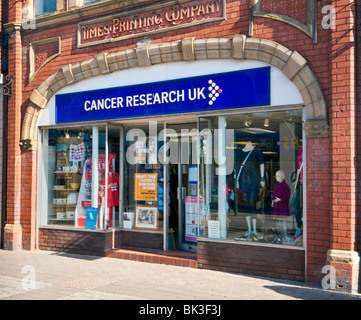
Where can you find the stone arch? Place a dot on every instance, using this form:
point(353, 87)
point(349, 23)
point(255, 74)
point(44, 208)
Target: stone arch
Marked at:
point(291, 63)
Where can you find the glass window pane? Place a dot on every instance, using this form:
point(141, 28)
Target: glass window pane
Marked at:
point(73, 176)
point(256, 194)
point(45, 6)
point(143, 179)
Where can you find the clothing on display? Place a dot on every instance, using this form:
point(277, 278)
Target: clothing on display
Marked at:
point(283, 192)
point(113, 193)
point(249, 175)
point(299, 165)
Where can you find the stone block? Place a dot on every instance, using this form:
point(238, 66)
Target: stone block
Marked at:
point(188, 49)
point(103, 63)
point(38, 99)
point(238, 44)
point(68, 73)
point(143, 56)
point(294, 65)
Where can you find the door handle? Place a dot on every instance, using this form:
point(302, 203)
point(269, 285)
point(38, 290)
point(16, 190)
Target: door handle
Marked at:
point(184, 190)
point(181, 192)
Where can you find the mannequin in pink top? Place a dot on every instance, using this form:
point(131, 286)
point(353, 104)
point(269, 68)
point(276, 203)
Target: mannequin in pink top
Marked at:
point(280, 198)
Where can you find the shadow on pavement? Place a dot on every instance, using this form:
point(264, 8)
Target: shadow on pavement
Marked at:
point(76, 256)
point(312, 293)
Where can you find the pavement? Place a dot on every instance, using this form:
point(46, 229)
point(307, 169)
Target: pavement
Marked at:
point(42, 275)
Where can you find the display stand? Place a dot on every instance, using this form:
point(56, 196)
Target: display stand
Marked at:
point(66, 184)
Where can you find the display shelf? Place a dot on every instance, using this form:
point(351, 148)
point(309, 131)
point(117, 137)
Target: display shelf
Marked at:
point(54, 220)
point(62, 172)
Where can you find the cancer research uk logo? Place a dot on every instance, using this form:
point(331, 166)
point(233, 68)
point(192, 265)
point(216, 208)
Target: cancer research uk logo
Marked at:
point(214, 91)
point(160, 96)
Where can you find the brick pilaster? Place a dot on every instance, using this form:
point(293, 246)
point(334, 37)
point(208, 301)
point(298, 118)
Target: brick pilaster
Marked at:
point(29, 198)
point(13, 230)
point(342, 119)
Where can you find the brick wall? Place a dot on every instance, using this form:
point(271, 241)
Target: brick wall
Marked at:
point(96, 242)
point(29, 198)
point(319, 200)
point(142, 240)
point(78, 241)
point(358, 132)
point(271, 262)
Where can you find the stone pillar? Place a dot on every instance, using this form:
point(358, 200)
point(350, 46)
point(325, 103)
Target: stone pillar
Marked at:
point(13, 228)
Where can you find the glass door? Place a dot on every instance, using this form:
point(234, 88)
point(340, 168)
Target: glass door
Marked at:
point(183, 183)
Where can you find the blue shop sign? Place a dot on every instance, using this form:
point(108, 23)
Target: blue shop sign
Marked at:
point(238, 89)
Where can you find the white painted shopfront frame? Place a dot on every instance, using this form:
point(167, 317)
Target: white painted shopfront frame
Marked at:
point(284, 95)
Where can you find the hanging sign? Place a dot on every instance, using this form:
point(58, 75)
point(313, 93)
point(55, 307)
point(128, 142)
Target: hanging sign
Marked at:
point(238, 89)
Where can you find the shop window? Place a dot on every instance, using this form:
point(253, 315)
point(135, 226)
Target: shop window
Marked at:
point(143, 180)
point(75, 175)
point(43, 7)
point(256, 193)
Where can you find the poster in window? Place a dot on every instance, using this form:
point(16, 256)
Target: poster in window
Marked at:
point(192, 174)
point(214, 231)
point(145, 185)
point(146, 217)
point(91, 218)
point(191, 218)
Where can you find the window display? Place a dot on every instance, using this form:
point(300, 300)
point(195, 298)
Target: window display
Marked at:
point(143, 192)
point(76, 173)
point(244, 184)
point(262, 197)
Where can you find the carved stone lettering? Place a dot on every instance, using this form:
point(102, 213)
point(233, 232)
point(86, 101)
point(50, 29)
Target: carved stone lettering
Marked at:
point(153, 21)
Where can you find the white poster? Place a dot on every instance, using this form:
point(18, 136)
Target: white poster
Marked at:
point(191, 218)
point(214, 231)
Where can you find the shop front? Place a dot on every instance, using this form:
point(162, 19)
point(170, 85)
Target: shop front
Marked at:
point(203, 156)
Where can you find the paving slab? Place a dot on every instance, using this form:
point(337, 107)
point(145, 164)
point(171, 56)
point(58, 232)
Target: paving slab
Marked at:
point(42, 275)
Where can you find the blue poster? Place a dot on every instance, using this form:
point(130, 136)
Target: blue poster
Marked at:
point(91, 218)
point(238, 89)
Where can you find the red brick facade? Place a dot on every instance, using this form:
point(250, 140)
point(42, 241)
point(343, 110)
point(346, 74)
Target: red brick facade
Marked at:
point(332, 162)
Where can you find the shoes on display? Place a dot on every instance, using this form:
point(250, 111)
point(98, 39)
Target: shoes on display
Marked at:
point(240, 239)
point(277, 240)
point(298, 233)
point(299, 241)
point(286, 240)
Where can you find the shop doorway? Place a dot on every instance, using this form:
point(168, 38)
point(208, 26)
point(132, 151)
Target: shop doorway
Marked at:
point(183, 178)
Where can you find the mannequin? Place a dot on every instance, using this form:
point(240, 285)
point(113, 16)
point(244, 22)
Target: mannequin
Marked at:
point(248, 182)
point(280, 198)
point(281, 195)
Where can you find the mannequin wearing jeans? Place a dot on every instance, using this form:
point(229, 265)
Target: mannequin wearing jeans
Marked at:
point(248, 181)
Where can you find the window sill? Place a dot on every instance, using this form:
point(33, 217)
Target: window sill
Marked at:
point(66, 228)
point(256, 244)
